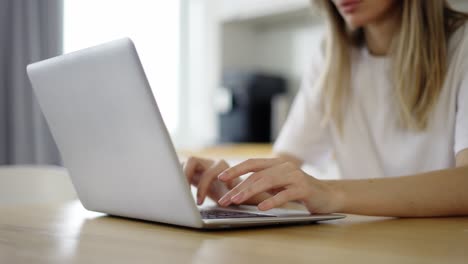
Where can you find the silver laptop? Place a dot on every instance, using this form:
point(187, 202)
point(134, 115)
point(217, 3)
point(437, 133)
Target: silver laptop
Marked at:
point(113, 141)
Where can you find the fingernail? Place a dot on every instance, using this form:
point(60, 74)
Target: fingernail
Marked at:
point(222, 176)
point(237, 198)
point(263, 206)
point(224, 200)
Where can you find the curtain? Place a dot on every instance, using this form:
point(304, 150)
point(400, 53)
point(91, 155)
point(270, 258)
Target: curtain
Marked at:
point(30, 30)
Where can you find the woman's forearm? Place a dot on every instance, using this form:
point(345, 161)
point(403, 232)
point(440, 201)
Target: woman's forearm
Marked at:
point(436, 193)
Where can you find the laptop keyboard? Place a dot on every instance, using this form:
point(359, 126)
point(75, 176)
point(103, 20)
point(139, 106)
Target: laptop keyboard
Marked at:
point(220, 214)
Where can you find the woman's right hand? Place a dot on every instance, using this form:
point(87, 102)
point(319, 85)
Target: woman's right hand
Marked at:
point(203, 174)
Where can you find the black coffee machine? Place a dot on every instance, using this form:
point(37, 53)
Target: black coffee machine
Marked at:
point(249, 119)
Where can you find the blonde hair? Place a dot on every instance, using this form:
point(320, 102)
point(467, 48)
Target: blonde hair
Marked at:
point(418, 53)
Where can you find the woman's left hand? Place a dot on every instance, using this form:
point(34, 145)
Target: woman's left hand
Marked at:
point(284, 180)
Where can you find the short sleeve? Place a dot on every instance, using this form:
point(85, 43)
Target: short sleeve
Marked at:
point(302, 135)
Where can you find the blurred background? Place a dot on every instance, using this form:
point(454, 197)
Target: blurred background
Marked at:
point(222, 71)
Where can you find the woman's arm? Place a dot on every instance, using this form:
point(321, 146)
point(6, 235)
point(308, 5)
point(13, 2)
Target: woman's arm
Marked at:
point(435, 193)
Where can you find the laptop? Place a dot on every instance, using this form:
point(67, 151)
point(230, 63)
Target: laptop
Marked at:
point(106, 123)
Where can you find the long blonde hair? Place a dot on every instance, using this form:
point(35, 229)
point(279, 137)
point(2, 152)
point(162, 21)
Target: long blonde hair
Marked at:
point(418, 53)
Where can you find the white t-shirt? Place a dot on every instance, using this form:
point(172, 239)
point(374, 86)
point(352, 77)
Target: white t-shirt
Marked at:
point(372, 144)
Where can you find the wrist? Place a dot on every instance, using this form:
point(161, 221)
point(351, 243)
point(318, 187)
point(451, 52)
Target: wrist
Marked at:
point(338, 195)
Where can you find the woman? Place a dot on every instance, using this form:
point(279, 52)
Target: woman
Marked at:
point(389, 99)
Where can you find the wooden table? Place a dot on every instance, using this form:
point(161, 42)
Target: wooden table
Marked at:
point(231, 151)
point(67, 233)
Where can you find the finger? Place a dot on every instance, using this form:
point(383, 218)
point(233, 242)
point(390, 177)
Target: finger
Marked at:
point(189, 168)
point(250, 165)
point(268, 178)
point(226, 199)
point(257, 187)
point(276, 181)
point(274, 191)
point(279, 199)
point(233, 183)
point(207, 179)
point(193, 166)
